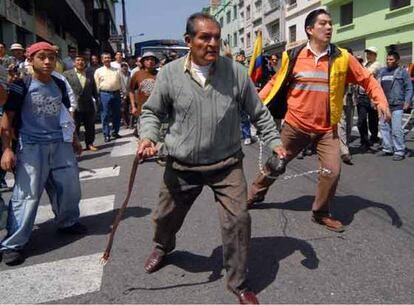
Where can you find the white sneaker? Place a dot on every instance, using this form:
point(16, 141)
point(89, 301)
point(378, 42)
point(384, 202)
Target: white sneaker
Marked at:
point(247, 141)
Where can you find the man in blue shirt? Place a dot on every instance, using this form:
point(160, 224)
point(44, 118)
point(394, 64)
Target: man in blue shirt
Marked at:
point(45, 153)
point(397, 87)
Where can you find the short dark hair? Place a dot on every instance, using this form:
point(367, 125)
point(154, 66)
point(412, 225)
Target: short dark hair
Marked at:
point(105, 53)
point(190, 28)
point(81, 55)
point(71, 49)
point(394, 53)
point(3, 44)
point(312, 16)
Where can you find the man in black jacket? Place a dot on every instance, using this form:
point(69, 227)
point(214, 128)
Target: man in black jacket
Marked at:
point(83, 85)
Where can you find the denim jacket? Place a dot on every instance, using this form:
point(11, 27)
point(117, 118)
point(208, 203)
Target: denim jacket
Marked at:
point(401, 88)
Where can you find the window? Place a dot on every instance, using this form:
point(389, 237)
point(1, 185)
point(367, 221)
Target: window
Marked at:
point(248, 12)
point(248, 40)
point(258, 5)
point(242, 16)
point(395, 4)
point(291, 2)
point(229, 40)
point(228, 16)
point(274, 31)
point(242, 42)
point(234, 12)
point(346, 14)
point(274, 4)
point(235, 39)
point(221, 22)
point(292, 33)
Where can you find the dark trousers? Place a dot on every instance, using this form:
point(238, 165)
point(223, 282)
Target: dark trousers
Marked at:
point(110, 101)
point(327, 148)
point(367, 111)
point(87, 119)
point(179, 189)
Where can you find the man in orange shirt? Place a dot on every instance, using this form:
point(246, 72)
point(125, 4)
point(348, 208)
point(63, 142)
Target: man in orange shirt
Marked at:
point(308, 89)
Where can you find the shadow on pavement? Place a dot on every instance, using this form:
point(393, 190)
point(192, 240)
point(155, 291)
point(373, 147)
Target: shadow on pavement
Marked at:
point(265, 255)
point(93, 155)
point(344, 208)
point(97, 225)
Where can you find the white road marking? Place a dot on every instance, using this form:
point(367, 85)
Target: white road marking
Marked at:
point(51, 281)
point(99, 173)
point(84, 175)
point(88, 207)
point(126, 149)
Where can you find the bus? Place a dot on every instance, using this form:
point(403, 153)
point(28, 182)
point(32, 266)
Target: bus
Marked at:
point(161, 47)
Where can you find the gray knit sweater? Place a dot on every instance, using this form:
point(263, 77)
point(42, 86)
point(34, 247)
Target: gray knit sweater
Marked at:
point(204, 123)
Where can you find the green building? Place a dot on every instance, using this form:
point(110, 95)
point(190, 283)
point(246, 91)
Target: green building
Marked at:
point(383, 24)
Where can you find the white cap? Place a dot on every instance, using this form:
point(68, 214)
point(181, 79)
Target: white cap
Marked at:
point(16, 46)
point(372, 49)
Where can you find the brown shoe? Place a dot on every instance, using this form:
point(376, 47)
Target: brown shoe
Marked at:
point(328, 222)
point(247, 297)
point(252, 201)
point(91, 147)
point(154, 262)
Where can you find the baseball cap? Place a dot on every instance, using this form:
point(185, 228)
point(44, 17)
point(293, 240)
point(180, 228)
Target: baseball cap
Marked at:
point(36, 47)
point(372, 49)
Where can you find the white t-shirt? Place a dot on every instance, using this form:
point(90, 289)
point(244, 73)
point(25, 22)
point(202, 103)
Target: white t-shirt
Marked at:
point(201, 71)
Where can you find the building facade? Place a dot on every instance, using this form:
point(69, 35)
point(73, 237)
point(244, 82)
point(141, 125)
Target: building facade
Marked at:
point(226, 13)
point(266, 16)
point(295, 15)
point(384, 24)
point(241, 20)
point(61, 22)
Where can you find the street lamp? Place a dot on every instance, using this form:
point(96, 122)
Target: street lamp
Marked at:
point(130, 41)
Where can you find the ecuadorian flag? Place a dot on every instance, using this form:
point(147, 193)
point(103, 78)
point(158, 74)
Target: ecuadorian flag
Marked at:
point(255, 66)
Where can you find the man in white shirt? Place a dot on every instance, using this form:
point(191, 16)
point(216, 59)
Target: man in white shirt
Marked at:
point(109, 85)
point(118, 60)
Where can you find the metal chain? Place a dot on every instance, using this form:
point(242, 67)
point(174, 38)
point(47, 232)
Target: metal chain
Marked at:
point(321, 170)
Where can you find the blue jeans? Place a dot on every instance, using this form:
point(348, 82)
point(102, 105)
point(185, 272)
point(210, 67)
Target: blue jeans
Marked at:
point(245, 125)
point(51, 165)
point(110, 101)
point(393, 134)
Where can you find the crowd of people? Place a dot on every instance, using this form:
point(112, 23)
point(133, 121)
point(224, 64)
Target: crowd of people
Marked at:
point(305, 101)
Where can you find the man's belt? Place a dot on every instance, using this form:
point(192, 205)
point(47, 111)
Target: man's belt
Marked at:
point(111, 92)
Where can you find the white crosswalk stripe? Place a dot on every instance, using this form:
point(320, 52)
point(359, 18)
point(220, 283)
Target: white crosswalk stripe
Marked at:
point(87, 174)
point(51, 281)
point(88, 207)
point(63, 278)
point(125, 149)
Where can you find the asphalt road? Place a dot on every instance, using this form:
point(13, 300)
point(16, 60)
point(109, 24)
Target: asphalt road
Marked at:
point(292, 260)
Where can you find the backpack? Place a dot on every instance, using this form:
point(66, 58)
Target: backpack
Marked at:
point(17, 94)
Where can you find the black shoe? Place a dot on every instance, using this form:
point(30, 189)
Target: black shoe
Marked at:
point(116, 135)
point(398, 158)
point(107, 139)
point(75, 229)
point(347, 159)
point(12, 257)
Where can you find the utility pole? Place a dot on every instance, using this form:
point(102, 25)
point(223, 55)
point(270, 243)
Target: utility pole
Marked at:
point(124, 33)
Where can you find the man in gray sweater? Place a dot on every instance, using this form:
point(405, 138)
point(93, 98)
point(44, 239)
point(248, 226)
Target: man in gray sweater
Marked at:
point(202, 95)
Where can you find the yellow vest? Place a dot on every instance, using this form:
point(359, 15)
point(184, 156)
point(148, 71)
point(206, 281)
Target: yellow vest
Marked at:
point(337, 81)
